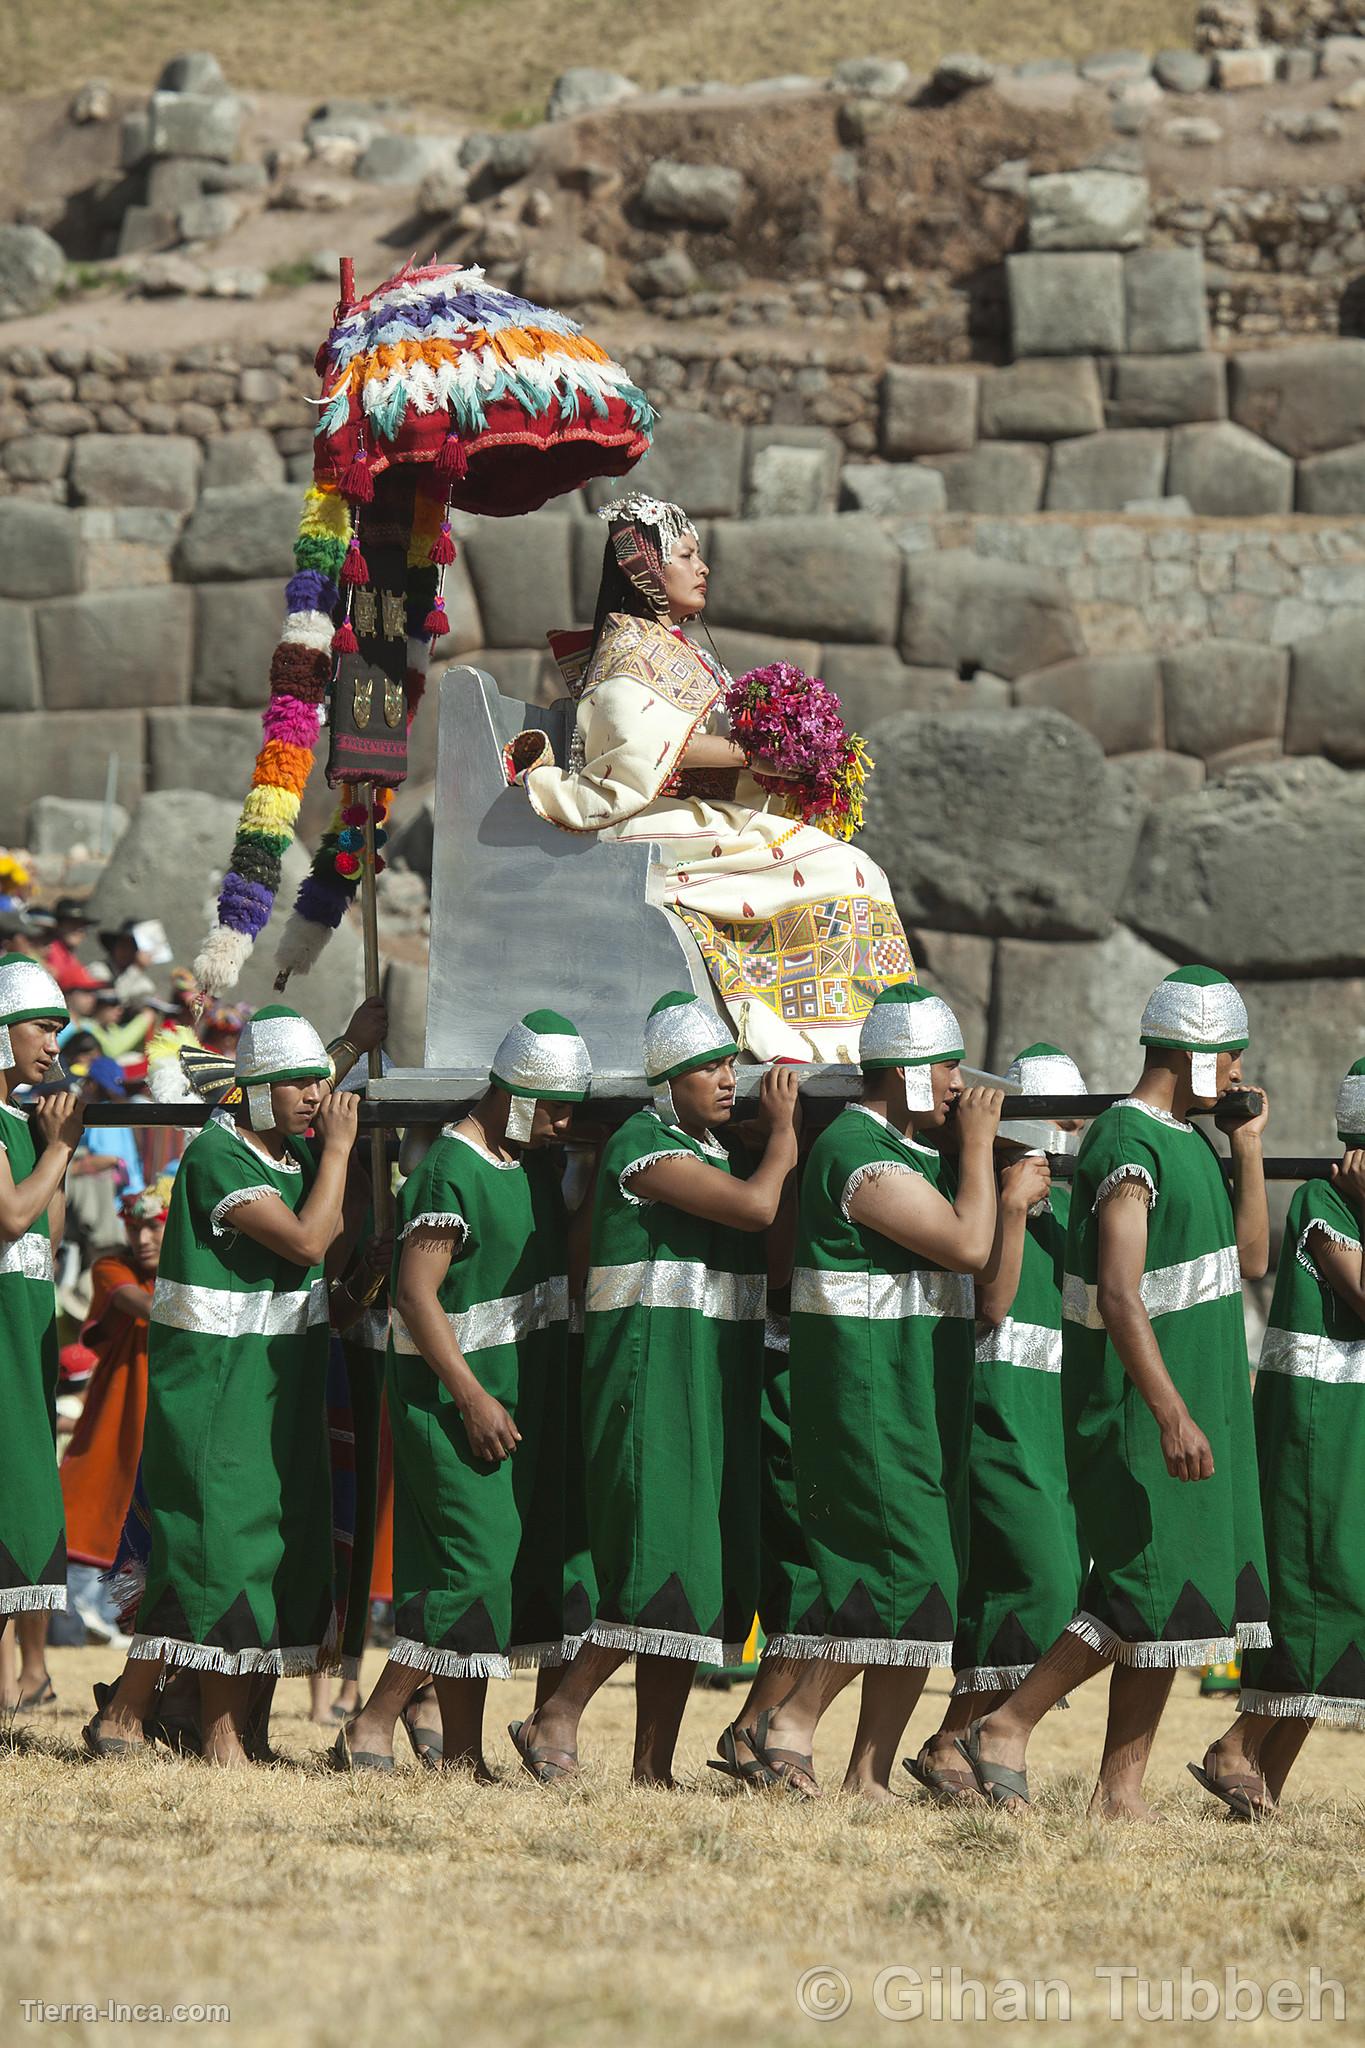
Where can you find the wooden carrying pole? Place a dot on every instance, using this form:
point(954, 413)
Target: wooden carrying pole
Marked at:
point(382, 1190)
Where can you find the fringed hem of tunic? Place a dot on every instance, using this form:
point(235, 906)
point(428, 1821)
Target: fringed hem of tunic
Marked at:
point(863, 1650)
point(1153, 1656)
point(662, 1642)
point(31, 1599)
point(532, 1656)
point(447, 1663)
point(998, 1678)
point(1254, 1635)
point(296, 1662)
point(1308, 1706)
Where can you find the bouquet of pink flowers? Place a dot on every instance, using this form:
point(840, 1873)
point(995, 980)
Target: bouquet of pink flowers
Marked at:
point(785, 717)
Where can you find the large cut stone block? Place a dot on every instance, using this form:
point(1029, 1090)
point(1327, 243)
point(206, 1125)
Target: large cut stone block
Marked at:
point(193, 124)
point(1327, 693)
point(925, 412)
point(1066, 305)
point(1087, 999)
point(1219, 876)
point(818, 579)
point(141, 881)
point(893, 490)
point(1000, 477)
point(1105, 472)
point(1167, 306)
point(872, 683)
point(40, 549)
point(741, 652)
point(1224, 693)
point(1304, 1036)
point(968, 612)
point(211, 750)
point(1087, 210)
point(67, 752)
point(520, 572)
point(1334, 484)
point(112, 648)
point(1116, 698)
point(1021, 771)
point(1226, 473)
point(696, 461)
point(1305, 400)
point(1167, 391)
point(18, 659)
point(136, 469)
point(240, 532)
point(793, 472)
point(1047, 399)
point(237, 628)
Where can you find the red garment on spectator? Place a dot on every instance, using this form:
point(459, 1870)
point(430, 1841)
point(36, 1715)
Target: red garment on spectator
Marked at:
point(66, 970)
point(100, 1466)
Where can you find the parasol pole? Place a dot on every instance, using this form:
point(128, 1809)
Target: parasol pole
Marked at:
point(369, 923)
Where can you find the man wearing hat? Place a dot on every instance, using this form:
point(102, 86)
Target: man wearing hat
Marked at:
point(128, 962)
point(32, 1211)
point(1156, 1397)
point(1310, 1437)
point(1024, 1560)
point(672, 1370)
point(239, 1583)
point(881, 1386)
point(68, 922)
point(476, 1378)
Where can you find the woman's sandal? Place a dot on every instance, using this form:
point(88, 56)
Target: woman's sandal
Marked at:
point(543, 1763)
point(945, 1787)
point(728, 1763)
point(427, 1745)
point(997, 1782)
point(43, 1695)
point(1243, 1793)
point(102, 1745)
point(786, 1765)
point(341, 1757)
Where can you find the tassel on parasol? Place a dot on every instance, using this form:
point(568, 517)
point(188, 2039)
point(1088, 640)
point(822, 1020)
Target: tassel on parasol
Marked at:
point(439, 390)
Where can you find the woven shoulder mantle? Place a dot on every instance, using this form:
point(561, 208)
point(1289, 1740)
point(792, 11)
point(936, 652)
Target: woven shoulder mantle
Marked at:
point(649, 653)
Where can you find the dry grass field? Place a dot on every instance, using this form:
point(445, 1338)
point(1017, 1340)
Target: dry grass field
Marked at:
point(327, 1911)
point(495, 59)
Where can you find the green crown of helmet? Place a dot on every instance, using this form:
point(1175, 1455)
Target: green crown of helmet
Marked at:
point(543, 1059)
point(683, 1033)
point(908, 1026)
point(1195, 1009)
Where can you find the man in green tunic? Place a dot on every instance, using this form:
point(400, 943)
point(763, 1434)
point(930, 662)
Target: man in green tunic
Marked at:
point(476, 1389)
point(672, 1365)
point(1025, 1565)
point(1156, 1397)
point(1310, 1439)
point(32, 1526)
point(881, 1387)
point(234, 1461)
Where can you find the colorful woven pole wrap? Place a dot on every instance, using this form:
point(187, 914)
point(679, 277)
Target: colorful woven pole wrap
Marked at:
point(503, 405)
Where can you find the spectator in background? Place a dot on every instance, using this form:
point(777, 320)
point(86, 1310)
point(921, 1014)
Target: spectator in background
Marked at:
point(22, 933)
point(119, 1034)
point(67, 925)
point(107, 1165)
point(128, 963)
point(15, 882)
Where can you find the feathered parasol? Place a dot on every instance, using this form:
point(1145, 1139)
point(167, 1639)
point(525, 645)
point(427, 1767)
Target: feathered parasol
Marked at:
point(438, 390)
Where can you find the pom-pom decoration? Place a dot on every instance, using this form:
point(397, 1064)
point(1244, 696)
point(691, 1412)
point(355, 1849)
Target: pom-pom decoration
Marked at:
point(781, 715)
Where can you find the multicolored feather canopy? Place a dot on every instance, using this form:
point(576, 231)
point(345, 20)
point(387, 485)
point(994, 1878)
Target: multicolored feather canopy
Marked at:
point(505, 405)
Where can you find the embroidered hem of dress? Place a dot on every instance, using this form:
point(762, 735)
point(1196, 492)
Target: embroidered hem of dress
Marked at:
point(1352, 1244)
point(661, 1642)
point(873, 1171)
point(1309, 1706)
point(442, 1221)
point(1161, 1116)
point(295, 1662)
point(533, 1656)
point(31, 1599)
point(863, 1650)
point(1152, 1656)
point(447, 1663)
point(999, 1678)
point(1121, 1173)
point(1254, 1635)
point(235, 1200)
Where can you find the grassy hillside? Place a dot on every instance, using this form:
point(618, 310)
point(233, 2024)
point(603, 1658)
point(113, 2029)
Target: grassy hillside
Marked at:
point(496, 58)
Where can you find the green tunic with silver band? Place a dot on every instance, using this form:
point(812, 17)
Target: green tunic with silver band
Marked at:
point(672, 1367)
point(1178, 1574)
point(478, 1548)
point(789, 1587)
point(1025, 1565)
point(234, 1457)
point(1310, 1433)
point(881, 1384)
point(32, 1522)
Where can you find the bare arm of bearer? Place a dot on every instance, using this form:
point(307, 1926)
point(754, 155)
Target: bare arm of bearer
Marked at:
point(304, 1237)
point(368, 1028)
point(1249, 1207)
point(1122, 1259)
point(1023, 1182)
point(957, 1234)
point(782, 1237)
point(426, 1258)
point(687, 1183)
point(1342, 1266)
point(57, 1120)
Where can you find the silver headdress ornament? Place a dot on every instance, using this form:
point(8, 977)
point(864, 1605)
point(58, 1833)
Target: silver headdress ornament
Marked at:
point(910, 1027)
point(668, 521)
point(1351, 1106)
point(277, 1045)
point(1197, 1011)
point(28, 994)
point(541, 1059)
point(681, 1034)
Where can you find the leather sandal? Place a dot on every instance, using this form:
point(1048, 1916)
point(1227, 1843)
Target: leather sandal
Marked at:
point(785, 1764)
point(945, 1787)
point(730, 1765)
point(1242, 1792)
point(546, 1764)
point(341, 1757)
point(997, 1782)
